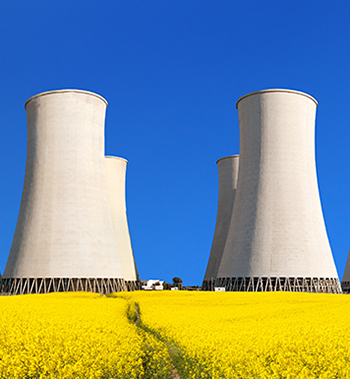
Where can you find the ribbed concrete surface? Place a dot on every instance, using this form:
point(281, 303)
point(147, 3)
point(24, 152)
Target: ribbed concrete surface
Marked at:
point(64, 227)
point(228, 174)
point(115, 174)
point(277, 228)
point(345, 283)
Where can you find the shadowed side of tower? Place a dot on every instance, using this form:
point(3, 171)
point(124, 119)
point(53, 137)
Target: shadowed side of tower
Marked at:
point(115, 175)
point(64, 236)
point(277, 238)
point(345, 283)
point(228, 174)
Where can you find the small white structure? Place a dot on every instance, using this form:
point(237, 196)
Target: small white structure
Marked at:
point(152, 285)
point(277, 238)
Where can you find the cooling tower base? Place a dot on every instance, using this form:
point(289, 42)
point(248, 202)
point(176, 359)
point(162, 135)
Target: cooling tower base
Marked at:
point(133, 285)
point(345, 286)
point(21, 286)
point(324, 285)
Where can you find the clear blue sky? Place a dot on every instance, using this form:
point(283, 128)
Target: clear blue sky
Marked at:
point(172, 71)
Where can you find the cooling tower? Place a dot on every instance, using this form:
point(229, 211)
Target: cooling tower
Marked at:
point(345, 283)
point(115, 175)
point(277, 238)
point(64, 237)
point(228, 173)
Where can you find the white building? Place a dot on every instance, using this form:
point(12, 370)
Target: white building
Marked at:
point(152, 284)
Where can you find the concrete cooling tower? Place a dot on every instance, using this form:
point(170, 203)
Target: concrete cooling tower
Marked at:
point(345, 283)
point(64, 238)
point(277, 238)
point(115, 175)
point(228, 174)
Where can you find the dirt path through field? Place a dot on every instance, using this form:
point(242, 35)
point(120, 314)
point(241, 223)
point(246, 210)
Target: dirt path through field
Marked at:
point(174, 373)
point(137, 314)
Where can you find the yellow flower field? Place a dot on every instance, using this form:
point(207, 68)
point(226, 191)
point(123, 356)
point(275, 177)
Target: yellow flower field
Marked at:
point(252, 335)
point(71, 335)
point(66, 335)
point(201, 334)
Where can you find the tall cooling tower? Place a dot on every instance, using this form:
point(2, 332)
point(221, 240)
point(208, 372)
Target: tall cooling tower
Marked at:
point(64, 237)
point(115, 174)
point(345, 283)
point(228, 173)
point(277, 238)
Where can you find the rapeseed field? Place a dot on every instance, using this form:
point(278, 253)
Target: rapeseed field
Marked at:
point(72, 335)
point(175, 334)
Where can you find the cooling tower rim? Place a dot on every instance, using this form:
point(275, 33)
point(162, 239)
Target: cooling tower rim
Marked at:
point(115, 157)
point(227, 157)
point(282, 90)
point(58, 91)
